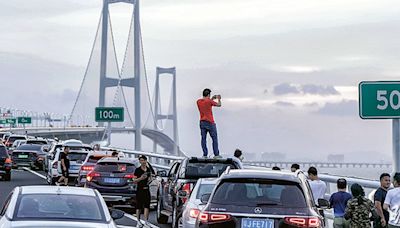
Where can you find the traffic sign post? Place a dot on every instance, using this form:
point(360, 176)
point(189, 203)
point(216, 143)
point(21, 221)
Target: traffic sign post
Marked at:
point(109, 114)
point(381, 100)
point(24, 120)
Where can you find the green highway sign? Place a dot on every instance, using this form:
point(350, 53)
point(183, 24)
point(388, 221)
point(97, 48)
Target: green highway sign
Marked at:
point(24, 120)
point(109, 114)
point(3, 121)
point(379, 100)
point(11, 121)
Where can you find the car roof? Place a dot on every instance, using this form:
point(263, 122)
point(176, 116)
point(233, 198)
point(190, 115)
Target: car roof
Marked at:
point(42, 189)
point(209, 160)
point(208, 180)
point(17, 136)
point(262, 174)
point(72, 142)
point(119, 159)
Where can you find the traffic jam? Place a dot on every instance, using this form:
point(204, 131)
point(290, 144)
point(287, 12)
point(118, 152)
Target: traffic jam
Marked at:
point(100, 187)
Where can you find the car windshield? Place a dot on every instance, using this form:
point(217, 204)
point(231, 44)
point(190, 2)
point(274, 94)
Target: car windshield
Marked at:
point(58, 207)
point(260, 192)
point(94, 159)
point(204, 189)
point(76, 156)
point(38, 142)
point(3, 151)
point(30, 147)
point(109, 167)
point(11, 139)
point(201, 169)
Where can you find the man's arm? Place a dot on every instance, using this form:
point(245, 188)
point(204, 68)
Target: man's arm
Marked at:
point(379, 211)
point(63, 164)
point(218, 97)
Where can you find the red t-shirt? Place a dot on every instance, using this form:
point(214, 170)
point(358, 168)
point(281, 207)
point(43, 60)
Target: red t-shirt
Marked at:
point(205, 109)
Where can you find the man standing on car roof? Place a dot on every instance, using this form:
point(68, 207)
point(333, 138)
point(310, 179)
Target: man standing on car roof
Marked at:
point(207, 123)
point(143, 179)
point(64, 167)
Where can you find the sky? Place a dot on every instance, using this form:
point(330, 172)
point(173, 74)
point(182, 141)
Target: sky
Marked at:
point(287, 70)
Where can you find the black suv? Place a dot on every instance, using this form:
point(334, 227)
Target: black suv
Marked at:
point(113, 178)
point(253, 198)
point(177, 185)
point(5, 163)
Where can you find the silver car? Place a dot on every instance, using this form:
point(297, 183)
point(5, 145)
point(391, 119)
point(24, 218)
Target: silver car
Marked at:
point(193, 206)
point(52, 206)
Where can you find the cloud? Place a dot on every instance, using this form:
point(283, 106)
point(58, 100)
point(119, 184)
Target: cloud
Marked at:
point(285, 88)
point(298, 69)
point(343, 108)
point(319, 90)
point(284, 104)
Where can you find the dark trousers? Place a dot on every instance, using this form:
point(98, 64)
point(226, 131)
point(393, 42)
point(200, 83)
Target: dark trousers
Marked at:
point(211, 128)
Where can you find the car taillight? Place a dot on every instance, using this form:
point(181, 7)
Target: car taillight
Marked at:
point(194, 213)
point(91, 175)
point(87, 167)
point(187, 188)
point(8, 160)
point(129, 176)
point(206, 217)
point(303, 221)
point(55, 165)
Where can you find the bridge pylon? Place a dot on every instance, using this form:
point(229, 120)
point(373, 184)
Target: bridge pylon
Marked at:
point(134, 81)
point(170, 116)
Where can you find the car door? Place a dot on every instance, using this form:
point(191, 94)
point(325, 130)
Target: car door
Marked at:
point(167, 187)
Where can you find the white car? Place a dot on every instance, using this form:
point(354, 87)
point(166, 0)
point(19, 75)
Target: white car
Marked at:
point(44, 206)
point(78, 153)
point(193, 206)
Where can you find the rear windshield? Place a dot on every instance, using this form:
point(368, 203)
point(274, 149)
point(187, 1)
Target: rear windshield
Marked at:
point(30, 147)
point(37, 142)
point(58, 207)
point(11, 139)
point(204, 189)
point(78, 157)
point(201, 169)
point(110, 167)
point(260, 192)
point(3, 152)
point(94, 159)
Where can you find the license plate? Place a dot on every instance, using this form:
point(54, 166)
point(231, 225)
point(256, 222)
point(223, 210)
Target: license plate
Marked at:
point(74, 167)
point(111, 180)
point(259, 223)
point(23, 156)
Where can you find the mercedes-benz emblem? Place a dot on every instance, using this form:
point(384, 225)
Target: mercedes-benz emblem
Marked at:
point(257, 210)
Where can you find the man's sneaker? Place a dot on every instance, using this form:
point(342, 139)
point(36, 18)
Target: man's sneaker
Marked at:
point(57, 183)
point(217, 157)
point(139, 224)
point(147, 224)
point(205, 157)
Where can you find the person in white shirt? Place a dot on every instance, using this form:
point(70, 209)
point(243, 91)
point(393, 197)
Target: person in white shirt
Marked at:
point(318, 187)
point(392, 203)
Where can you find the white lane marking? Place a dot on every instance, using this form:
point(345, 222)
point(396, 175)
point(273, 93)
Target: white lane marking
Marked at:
point(35, 173)
point(135, 219)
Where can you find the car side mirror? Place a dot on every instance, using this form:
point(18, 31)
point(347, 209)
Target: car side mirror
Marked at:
point(116, 214)
point(182, 194)
point(204, 198)
point(162, 173)
point(323, 203)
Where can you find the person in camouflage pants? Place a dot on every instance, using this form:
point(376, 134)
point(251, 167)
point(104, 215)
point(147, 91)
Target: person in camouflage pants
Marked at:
point(359, 208)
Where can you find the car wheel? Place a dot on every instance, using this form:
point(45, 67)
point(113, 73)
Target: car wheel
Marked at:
point(7, 177)
point(161, 218)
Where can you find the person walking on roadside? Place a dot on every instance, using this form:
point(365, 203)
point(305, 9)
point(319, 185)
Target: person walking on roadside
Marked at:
point(64, 167)
point(359, 208)
point(338, 202)
point(294, 167)
point(143, 176)
point(379, 200)
point(392, 203)
point(317, 186)
point(207, 123)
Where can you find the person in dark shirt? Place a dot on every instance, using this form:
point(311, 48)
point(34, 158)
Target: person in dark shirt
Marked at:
point(338, 202)
point(143, 179)
point(64, 167)
point(379, 199)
